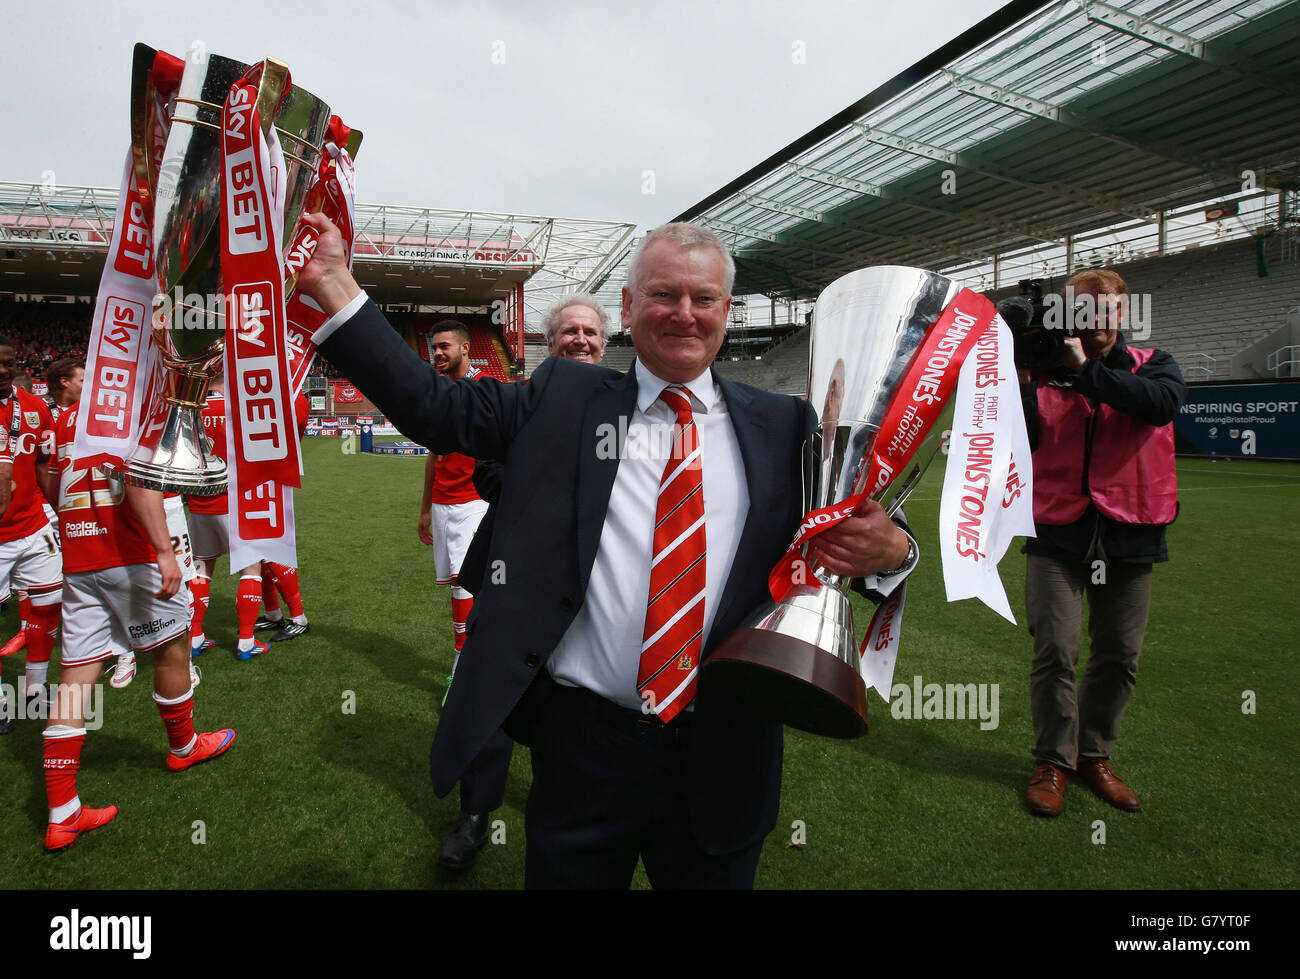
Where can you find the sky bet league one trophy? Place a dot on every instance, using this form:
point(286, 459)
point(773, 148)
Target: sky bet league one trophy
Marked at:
point(199, 280)
point(888, 345)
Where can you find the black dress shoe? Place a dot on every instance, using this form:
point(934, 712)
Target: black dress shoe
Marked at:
point(460, 848)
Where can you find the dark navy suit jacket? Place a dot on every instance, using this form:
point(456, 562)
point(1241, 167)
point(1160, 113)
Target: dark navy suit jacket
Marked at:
point(554, 496)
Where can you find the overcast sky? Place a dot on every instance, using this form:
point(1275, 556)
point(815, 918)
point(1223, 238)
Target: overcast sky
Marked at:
point(555, 108)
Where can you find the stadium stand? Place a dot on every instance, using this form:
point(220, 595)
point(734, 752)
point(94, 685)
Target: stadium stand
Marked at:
point(486, 350)
point(534, 354)
point(783, 369)
point(1209, 302)
point(44, 332)
point(618, 357)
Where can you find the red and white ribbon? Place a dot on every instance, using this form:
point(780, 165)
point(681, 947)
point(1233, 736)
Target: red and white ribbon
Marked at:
point(334, 195)
point(988, 489)
point(118, 378)
point(261, 435)
point(879, 650)
point(123, 367)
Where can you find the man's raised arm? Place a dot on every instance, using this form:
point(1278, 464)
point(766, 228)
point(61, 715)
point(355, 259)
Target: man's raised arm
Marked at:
point(447, 416)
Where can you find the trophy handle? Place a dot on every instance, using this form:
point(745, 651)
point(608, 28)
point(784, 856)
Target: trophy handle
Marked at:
point(141, 73)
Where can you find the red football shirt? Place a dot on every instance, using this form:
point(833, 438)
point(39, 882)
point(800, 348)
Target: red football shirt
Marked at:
point(98, 528)
point(214, 427)
point(453, 479)
point(29, 434)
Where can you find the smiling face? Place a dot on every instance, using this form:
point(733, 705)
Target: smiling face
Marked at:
point(578, 335)
point(677, 312)
point(450, 355)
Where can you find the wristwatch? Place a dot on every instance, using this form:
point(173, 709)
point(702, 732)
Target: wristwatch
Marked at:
point(909, 562)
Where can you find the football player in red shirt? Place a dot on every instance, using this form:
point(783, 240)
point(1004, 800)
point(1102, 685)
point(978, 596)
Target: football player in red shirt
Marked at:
point(29, 545)
point(123, 589)
point(64, 379)
point(451, 508)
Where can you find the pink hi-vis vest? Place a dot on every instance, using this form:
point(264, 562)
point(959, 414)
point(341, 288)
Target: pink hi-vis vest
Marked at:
point(1131, 476)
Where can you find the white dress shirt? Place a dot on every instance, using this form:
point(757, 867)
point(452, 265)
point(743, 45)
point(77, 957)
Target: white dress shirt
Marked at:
point(602, 648)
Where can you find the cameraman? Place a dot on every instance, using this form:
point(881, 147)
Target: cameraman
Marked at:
point(1105, 487)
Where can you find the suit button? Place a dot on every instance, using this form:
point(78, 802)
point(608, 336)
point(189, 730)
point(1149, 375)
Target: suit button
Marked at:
point(532, 660)
point(566, 603)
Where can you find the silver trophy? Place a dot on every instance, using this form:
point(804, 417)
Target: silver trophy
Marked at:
point(183, 180)
point(797, 660)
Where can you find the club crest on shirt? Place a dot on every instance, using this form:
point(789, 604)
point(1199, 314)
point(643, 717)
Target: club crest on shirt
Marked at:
point(31, 418)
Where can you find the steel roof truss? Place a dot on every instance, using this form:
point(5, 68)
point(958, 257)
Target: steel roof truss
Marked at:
point(943, 247)
point(970, 217)
point(1217, 55)
point(976, 164)
point(1020, 102)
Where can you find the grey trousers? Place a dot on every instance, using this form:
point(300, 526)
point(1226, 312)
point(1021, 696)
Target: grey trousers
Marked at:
point(1073, 721)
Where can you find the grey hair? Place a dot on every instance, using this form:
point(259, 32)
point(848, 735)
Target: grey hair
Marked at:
point(687, 236)
point(551, 318)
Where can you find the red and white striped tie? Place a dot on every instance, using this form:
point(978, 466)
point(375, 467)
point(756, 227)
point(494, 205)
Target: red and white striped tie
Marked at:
point(674, 618)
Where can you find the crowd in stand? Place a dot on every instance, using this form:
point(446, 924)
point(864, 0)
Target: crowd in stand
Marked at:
point(45, 332)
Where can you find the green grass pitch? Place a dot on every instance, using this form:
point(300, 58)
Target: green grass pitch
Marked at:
point(314, 795)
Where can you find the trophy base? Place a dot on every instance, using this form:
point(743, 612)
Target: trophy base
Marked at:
point(793, 682)
point(210, 482)
point(178, 458)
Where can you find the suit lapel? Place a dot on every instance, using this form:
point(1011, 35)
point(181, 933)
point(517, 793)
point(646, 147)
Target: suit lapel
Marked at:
point(752, 435)
point(597, 466)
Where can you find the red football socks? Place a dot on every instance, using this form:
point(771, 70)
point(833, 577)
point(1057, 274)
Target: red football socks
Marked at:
point(200, 588)
point(178, 718)
point(42, 628)
point(460, 608)
point(286, 579)
point(62, 760)
point(270, 596)
point(248, 602)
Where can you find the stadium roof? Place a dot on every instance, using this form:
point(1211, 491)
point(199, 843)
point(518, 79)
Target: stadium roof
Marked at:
point(53, 240)
point(1043, 122)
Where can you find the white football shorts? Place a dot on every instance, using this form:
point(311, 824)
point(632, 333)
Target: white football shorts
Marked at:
point(34, 564)
point(107, 611)
point(209, 535)
point(453, 528)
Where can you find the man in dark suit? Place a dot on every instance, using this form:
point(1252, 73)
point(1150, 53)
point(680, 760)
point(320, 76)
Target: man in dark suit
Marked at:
point(576, 328)
point(620, 769)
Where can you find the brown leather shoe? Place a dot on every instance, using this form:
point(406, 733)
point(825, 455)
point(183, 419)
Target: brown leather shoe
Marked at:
point(1046, 793)
point(1097, 775)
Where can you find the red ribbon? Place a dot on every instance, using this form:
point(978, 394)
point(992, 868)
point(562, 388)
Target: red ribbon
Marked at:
point(330, 194)
point(258, 392)
point(915, 406)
